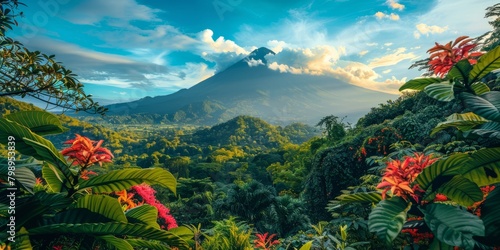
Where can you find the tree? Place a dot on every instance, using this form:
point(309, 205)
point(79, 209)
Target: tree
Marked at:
point(492, 38)
point(34, 74)
point(335, 129)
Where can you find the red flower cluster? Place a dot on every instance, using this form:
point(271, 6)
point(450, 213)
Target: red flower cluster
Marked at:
point(265, 241)
point(85, 152)
point(443, 57)
point(418, 237)
point(399, 176)
point(476, 207)
point(147, 193)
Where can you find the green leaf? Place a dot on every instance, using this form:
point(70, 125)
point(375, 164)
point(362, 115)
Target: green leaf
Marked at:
point(104, 205)
point(438, 245)
point(144, 214)
point(21, 134)
point(440, 91)
point(462, 191)
point(22, 241)
point(460, 71)
point(452, 225)
point(53, 157)
point(113, 228)
point(486, 63)
point(387, 218)
point(53, 176)
point(307, 246)
point(420, 83)
point(147, 244)
point(125, 178)
point(360, 197)
point(462, 122)
point(488, 130)
point(480, 88)
point(491, 216)
point(39, 122)
point(483, 167)
point(117, 243)
point(441, 171)
point(24, 177)
point(486, 105)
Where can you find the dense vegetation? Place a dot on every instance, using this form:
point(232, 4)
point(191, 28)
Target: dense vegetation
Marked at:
point(419, 172)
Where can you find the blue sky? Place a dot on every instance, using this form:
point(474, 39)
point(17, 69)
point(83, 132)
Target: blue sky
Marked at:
point(124, 50)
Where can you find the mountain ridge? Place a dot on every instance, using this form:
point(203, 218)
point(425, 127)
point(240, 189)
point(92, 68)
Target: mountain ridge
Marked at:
point(242, 89)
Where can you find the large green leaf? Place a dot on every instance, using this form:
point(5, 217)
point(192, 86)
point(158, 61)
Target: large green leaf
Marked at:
point(441, 171)
point(452, 225)
point(462, 122)
point(104, 205)
point(387, 218)
point(483, 168)
point(20, 133)
point(491, 216)
point(486, 63)
point(55, 158)
point(307, 246)
point(125, 178)
point(480, 88)
point(360, 197)
point(147, 244)
point(117, 243)
point(420, 83)
point(113, 228)
point(486, 105)
point(438, 245)
point(39, 122)
point(144, 214)
point(488, 130)
point(53, 176)
point(23, 176)
point(440, 91)
point(460, 71)
point(462, 191)
point(77, 215)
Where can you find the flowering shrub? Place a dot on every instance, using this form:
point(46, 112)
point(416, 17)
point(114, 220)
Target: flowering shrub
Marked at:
point(400, 175)
point(146, 194)
point(265, 241)
point(443, 57)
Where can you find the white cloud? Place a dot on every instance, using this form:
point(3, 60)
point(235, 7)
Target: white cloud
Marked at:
point(363, 52)
point(371, 44)
point(391, 59)
point(424, 29)
point(395, 5)
point(380, 15)
point(253, 63)
point(387, 71)
point(220, 44)
point(388, 44)
point(114, 13)
point(277, 46)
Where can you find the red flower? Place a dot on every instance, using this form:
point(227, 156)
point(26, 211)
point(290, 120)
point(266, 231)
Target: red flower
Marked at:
point(264, 242)
point(443, 57)
point(399, 176)
point(58, 247)
point(85, 152)
point(148, 195)
point(85, 174)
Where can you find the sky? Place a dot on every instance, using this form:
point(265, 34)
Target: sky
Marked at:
point(124, 50)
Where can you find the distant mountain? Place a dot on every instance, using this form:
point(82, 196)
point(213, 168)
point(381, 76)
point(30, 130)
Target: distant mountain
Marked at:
point(258, 91)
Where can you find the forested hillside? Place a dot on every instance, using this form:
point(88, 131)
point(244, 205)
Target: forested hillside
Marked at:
point(418, 172)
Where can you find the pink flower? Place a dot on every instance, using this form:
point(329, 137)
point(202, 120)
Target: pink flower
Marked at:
point(148, 195)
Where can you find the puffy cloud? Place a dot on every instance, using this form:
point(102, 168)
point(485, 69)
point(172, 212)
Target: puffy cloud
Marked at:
point(387, 71)
point(388, 44)
point(397, 56)
point(314, 61)
point(277, 46)
point(253, 63)
point(380, 15)
point(363, 52)
point(424, 29)
point(114, 13)
point(395, 5)
point(220, 44)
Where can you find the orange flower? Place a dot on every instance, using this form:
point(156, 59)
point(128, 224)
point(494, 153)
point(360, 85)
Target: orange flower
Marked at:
point(399, 176)
point(265, 241)
point(85, 152)
point(443, 57)
point(126, 199)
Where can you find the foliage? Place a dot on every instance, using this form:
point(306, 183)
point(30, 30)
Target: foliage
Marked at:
point(72, 203)
point(37, 75)
point(228, 234)
point(335, 129)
